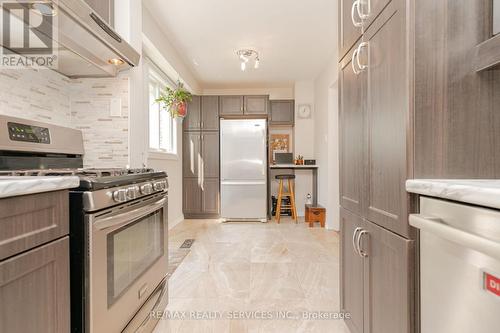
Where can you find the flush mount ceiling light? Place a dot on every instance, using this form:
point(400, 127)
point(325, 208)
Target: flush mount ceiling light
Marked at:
point(247, 55)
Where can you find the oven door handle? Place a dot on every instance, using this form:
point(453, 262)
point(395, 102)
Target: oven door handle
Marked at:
point(128, 217)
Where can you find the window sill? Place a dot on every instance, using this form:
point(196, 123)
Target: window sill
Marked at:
point(160, 155)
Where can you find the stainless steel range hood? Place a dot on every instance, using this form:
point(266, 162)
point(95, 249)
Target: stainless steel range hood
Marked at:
point(86, 45)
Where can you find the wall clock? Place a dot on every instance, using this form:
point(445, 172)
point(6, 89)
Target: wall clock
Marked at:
point(304, 111)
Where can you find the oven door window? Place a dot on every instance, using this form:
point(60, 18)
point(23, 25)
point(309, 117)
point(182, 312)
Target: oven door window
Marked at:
point(131, 251)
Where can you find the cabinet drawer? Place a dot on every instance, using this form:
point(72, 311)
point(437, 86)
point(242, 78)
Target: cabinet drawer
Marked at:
point(32, 220)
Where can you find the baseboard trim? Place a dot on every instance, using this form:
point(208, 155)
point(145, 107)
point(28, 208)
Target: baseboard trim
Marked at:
point(176, 222)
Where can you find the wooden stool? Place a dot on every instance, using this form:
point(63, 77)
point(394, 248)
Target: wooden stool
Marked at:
point(315, 214)
point(289, 194)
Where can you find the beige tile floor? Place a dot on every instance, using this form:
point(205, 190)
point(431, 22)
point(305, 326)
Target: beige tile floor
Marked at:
point(253, 269)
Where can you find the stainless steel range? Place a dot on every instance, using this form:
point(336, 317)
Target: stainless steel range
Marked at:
point(118, 227)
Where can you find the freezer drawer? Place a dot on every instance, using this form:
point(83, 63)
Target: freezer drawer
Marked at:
point(244, 201)
point(459, 267)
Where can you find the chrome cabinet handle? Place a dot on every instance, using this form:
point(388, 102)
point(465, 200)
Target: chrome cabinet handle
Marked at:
point(361, 252)
point(362, 15)
point(361, 66)
point(357, 24)
point(358, 229)
point(354, 62)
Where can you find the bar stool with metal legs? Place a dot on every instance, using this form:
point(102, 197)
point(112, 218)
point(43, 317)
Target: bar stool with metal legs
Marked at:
point(290, 194)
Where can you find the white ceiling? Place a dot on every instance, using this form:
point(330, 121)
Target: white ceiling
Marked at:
point(295, 38)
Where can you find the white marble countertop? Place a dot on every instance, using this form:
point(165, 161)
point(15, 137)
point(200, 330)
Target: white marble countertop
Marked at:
point(11, 186)
point(482, 192)
point(292, 166)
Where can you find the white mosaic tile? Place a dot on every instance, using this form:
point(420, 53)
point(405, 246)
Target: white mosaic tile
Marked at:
point(44, 95)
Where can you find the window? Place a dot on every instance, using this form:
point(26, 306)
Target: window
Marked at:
point(162, 127)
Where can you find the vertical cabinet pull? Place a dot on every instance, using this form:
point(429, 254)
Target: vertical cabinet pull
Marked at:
point(354, 62)
point(354, 9)
point(362, 15)
point(362, 253)
point(362, 67)
point(354, 235)
point(357, 66)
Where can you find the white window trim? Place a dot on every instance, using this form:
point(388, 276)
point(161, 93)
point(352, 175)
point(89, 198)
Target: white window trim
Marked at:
point(154, 154)
point(159, 154)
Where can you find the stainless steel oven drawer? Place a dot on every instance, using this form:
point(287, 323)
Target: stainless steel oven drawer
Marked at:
point(151, 312)
point(31, 220)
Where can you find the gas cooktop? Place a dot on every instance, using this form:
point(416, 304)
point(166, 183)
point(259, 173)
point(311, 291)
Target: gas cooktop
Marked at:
point(95, 178)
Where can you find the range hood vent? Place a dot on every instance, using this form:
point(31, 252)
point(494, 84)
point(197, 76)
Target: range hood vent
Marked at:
point(85, 45)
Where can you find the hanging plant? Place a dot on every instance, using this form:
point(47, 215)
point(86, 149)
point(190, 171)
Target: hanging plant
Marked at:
point(175, 100)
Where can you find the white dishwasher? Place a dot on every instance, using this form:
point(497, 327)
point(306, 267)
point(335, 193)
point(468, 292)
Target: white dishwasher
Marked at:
point(459, 267)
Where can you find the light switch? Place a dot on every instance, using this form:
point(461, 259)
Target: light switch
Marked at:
point(115, 107)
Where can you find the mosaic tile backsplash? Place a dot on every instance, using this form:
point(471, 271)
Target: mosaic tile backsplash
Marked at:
point(84, 104)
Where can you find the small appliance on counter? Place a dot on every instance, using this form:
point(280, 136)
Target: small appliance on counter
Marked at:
point(118, 227)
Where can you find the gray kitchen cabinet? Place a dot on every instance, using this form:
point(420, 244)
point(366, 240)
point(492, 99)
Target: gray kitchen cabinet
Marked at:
point(104, 8)
point(377, 281)
point(430, 113)
point(387, 112)
point(191, 201)
point(210, 113)
point(41, 217)
point(351, 273)
point(282, 112)
point(389, 284)
point(201, 198)
point(372, 9)
point(34, 290)
point(210, 197)
point(202, 114)
point(201, 173)
point(192, 121)
point(352, 90)
point(244, 105)
point(255, 105)
point(231, 105)
point(349, 34)
point(191, 151)
point(457, 118)
point(210, 154)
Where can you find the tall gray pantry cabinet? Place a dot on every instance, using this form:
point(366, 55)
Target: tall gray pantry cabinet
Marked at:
point(201, 194)
point(414, 103)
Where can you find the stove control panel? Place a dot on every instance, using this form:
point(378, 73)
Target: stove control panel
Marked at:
point(136, 191)
point(28, 133)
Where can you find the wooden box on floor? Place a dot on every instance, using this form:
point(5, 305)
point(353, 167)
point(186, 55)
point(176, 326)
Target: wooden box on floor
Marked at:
point(315, 214)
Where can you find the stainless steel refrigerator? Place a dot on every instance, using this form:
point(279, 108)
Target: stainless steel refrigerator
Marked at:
point(243, 169)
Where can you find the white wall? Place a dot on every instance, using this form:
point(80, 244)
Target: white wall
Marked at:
point(326, 141)
point(304, 141)
point(144, 33)
point(158, 47)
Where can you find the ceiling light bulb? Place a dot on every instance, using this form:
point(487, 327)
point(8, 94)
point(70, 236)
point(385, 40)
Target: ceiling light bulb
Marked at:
point(243, 66)
point(257, 63)
point(116, 61)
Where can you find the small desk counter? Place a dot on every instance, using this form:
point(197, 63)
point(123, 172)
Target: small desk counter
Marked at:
point(313, 168)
